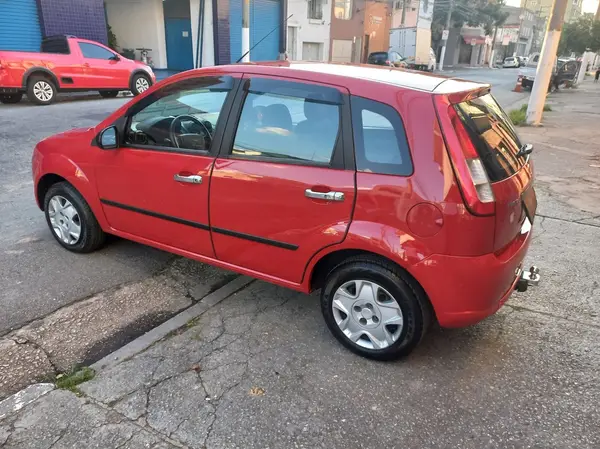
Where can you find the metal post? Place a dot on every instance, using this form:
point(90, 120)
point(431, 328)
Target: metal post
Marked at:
point(445, 41)
point(491, 62)
point(246, 30)
point(403, 16)
point(546, 64)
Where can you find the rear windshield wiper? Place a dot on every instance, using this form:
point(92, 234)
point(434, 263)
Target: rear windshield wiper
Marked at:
point(525, 150)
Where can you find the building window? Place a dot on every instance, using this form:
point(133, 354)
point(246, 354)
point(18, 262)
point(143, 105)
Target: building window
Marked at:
point(315, 9)
point(343, 9)
point(397, 4)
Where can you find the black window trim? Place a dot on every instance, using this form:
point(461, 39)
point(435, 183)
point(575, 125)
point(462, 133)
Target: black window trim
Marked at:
point(359, 131)
point(219, 129)
point(339, 159)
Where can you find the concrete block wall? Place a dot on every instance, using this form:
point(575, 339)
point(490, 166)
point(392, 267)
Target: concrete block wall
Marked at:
point(82, 18)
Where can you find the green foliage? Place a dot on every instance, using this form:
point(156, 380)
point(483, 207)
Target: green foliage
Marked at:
point(518, 116)
point(484, 13)
point(579, 36)
point(71, 380)
point(112, 39)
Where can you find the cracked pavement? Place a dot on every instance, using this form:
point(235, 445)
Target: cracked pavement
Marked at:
point(261, 370)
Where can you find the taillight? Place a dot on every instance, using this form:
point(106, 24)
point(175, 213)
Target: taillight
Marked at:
point(470, 171)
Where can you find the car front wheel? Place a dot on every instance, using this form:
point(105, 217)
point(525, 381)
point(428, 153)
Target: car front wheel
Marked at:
point(71, 220)
point(374, 309)
point(140, 84)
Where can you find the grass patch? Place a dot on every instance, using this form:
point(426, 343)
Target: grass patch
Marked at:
point(547, 108)
point(71, 380)
point(517, 116)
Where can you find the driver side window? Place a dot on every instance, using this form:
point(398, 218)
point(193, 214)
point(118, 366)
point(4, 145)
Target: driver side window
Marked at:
point(180, 116)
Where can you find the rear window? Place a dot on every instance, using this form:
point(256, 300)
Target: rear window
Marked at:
point(493, 136)
point(379, 55)
point(56, 45)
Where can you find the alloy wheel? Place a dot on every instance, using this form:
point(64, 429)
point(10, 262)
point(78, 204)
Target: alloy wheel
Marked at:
point(142, 85)
point(64, 219)
point(43, 91)
point(367, 314)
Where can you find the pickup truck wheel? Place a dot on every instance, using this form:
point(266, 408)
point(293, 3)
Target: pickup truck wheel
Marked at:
point(71, 219)
point(140, 84)
point(41, 90)
point(109, 93)
point(374, 309)
point(11, 98)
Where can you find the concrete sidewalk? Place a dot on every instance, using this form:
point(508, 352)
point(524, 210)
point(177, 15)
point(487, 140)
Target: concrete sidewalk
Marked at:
point(259, 369)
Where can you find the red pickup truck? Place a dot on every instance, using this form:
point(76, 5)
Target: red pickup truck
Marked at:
point(67, 64)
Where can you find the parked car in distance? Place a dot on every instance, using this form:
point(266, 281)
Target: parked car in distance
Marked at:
point(387, 58)
point(522, 60)
point(511, 61)
point(69, 64)
point(406, 198)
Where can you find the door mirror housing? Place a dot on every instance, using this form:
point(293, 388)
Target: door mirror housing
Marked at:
point(115, 58)
point(108, 139)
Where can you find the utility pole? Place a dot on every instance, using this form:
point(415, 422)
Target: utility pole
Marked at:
point(246, 30)
point(446, 33)
point(403, 16)
point(492, 54)
point(597, 13)
point(545, 67)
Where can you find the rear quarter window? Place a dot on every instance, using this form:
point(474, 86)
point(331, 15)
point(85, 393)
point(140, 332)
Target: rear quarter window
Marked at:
point(379, 139)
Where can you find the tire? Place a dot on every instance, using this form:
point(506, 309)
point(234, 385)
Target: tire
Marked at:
point(109, 93)
point(395, 285)
point(11, 98)
point(91, 236)
point(41, 90)
point(140, 84)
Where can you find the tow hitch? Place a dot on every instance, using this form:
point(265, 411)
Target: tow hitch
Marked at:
point(527, 278)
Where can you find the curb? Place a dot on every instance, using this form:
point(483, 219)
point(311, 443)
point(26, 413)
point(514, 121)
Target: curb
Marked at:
point(24, 397)
point(158, 333)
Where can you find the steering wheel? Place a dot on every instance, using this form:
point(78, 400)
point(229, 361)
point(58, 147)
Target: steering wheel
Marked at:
point(178, 120)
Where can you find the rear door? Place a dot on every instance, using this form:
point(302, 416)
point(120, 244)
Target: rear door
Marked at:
point(280, 190)
point(511, 176)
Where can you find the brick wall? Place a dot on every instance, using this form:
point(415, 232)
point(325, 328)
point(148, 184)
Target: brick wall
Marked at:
point(82, 18)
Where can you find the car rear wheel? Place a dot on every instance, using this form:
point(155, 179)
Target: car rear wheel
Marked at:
point(11, 98)
point(109, 93)
point(41, 90)
point(71, 220)
point(140, 84)
point(374, 309)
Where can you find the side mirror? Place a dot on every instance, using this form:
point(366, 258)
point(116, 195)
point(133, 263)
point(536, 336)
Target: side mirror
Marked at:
point(108, 138)
point(116, 58)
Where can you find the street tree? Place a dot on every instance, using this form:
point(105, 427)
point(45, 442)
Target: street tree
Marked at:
point(579, 36)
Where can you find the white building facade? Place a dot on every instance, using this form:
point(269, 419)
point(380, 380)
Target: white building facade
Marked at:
point(308, 29)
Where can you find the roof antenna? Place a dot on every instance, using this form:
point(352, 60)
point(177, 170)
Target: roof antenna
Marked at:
point(267, 35)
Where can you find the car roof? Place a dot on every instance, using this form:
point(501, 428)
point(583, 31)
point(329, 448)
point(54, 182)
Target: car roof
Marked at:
point(407, 79)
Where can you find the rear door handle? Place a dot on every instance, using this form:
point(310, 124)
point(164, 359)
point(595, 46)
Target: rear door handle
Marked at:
point(327, 196)
point(191, 179)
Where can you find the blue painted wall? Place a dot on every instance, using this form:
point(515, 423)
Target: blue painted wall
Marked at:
point(19, 25)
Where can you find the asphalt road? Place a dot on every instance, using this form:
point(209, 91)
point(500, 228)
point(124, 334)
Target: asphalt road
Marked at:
point(36, 275)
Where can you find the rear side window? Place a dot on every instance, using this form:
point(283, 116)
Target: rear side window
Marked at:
point(493, 136)
point(379, 139)
point(60, 46)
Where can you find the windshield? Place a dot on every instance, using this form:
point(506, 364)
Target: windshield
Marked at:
point(493, 136)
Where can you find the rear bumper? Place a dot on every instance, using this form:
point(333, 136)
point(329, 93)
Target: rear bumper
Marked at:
point(466, 290)
point(10, 90)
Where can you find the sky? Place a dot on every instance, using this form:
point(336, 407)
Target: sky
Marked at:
point(588, 5)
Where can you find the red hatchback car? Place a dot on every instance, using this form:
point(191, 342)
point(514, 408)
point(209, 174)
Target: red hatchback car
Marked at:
point(405, 197)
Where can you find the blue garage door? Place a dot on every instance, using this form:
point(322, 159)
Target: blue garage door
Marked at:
point(264, 18)
point(19, 25)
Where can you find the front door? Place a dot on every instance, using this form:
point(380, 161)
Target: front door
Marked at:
point(102, 68)
point(280, 191)
point(178, 33)
point(155, 186)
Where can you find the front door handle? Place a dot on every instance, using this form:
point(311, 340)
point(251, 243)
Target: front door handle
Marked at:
point(191, 179)
point(327, 196)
